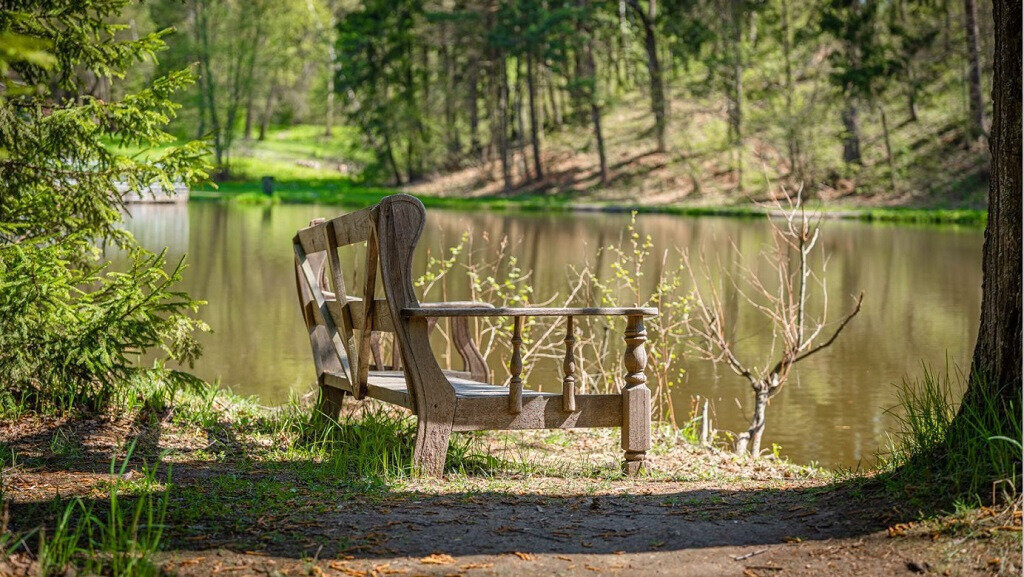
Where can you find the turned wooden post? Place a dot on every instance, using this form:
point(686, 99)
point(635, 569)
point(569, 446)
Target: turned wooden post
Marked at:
point(636, 398)
point(569, 367)
point(515, 369)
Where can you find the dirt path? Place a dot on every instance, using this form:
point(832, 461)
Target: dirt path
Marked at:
point(232, 514)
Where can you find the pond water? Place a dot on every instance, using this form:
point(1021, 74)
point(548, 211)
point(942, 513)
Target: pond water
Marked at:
point(922, 295)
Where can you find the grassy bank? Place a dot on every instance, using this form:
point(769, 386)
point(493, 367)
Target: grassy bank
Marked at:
point(347, 192)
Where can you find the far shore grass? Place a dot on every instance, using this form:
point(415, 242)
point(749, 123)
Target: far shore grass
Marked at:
point(344, 191)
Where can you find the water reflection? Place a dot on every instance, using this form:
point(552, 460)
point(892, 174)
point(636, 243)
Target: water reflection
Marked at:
point(922, 290)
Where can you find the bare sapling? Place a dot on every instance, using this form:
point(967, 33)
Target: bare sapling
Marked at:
point(782, 296)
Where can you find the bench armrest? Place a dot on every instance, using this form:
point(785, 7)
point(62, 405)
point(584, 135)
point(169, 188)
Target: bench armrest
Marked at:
point(471, 309)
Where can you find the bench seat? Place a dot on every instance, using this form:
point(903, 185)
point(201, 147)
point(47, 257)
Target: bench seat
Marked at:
point(485, 406)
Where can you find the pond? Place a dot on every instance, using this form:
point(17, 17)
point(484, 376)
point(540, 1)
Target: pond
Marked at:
point(922, 295)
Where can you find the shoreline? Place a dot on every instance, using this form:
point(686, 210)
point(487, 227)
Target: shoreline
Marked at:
point(331, 193)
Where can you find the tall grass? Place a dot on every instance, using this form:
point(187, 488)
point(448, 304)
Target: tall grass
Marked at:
point(118, 539)
point(940, 451)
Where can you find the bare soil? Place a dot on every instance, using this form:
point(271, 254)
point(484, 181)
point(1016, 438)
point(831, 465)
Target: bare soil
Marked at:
point(232, 514)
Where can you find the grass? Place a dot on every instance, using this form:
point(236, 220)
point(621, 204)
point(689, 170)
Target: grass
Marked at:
point(119, 538)
point(935, 457)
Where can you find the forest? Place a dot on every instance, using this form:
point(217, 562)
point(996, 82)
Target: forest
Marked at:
point(879, 102)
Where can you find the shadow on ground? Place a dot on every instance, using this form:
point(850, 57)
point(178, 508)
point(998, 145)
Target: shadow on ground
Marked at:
point(298, 508)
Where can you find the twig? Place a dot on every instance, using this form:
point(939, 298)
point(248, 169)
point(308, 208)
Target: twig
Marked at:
point(748, 555)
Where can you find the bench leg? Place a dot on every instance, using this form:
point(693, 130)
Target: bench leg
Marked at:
point(636, 398)
point(636, 428)
point(431, 446)
point(330, 402)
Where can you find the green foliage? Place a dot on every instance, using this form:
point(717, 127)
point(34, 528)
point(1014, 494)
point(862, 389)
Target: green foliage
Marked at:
point(945, 452)
point(71, 329)
point(64, 346)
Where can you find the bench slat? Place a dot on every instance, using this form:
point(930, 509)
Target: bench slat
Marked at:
point(445, 310)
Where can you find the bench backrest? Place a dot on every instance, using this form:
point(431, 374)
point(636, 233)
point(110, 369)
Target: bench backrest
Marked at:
point(390, 231)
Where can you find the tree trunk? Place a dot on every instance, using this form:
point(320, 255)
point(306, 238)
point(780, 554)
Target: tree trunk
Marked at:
point(912, 104)
point(976, 105)
point(501, 82)
point(520, 125)
point(389, 151)
point(996, 366)
point(888, 148)
point(751, 438)
point(452, 141)
point(474, 110)
point(851, 133)
point(268, 108)
point(736, 116)
point(657, 86)
point(536, 127)
point(590, 72)
point(331, 71)
point(556, 112)
point(249, 113)
point(792, 137)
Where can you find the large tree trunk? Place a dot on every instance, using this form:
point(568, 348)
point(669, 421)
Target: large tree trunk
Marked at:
point(976, 124)
point(996, 367)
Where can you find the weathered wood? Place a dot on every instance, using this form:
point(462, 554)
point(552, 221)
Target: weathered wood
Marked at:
point(540, 411)
point(443, 400)
point(354, 313)
point(316, 306)
point(515, 369)
point(368, 302)
point(636, 398)
point(569, 368)
point(350, 228)
point(400, 222)
point(473, 359)
point(340, 292)
point(447, 310)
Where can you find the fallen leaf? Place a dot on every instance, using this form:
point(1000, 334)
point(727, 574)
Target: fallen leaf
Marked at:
point(525, 556)
point(792, 539)
point(469, 566)
point(438, 559)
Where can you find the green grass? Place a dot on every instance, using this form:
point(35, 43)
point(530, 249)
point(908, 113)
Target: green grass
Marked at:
point(118, 537)
point(934, 457)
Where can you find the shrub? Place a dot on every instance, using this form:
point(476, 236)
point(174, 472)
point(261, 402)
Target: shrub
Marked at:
point(71, 328)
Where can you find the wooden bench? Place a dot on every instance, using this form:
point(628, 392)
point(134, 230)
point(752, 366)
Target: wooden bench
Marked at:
point(344, 332)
